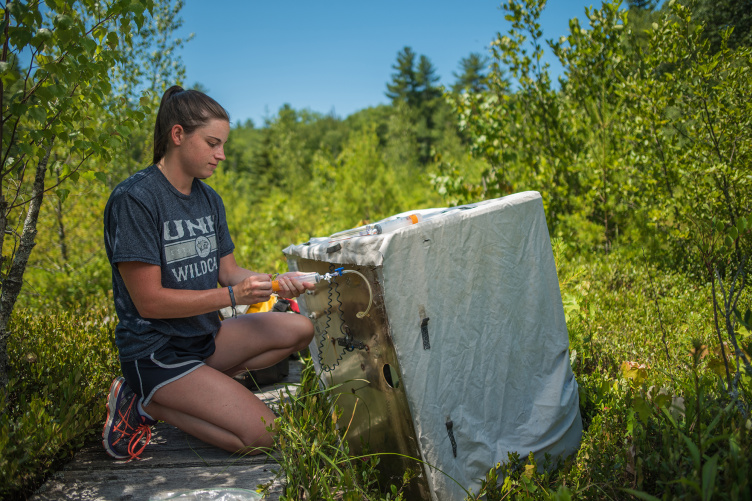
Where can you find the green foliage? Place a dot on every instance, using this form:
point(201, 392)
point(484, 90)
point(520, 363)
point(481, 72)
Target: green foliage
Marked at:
point(315, 463)
point(68, 266)
point(658, 419)
point(72, 52)
point(61, 367)
point(523, 480)
point(648, 132)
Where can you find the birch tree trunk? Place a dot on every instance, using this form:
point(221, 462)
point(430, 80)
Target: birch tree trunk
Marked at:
point(11, 287)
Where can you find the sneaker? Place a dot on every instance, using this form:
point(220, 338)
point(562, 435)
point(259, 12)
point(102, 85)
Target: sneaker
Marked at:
point(125, 428)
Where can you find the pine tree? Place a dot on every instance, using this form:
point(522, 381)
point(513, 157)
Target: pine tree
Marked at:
point(472, 77)
point(425, 80)
point(642, 4)
point(404, 82)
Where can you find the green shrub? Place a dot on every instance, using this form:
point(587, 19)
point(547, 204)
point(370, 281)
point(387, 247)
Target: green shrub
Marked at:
point(659, 422)
point(61, 367)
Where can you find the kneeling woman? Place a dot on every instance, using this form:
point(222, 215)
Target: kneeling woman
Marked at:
point(167, 240)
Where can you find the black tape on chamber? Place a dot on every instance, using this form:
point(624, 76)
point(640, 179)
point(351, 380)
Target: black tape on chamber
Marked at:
point(424, 333)
point(450, 432)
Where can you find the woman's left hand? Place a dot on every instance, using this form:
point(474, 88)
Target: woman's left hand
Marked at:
point(290, 287)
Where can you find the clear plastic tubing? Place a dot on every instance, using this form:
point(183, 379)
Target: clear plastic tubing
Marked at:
point(377, 228)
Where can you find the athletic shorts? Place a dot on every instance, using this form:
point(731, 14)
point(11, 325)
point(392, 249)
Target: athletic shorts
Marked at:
point(180, 356)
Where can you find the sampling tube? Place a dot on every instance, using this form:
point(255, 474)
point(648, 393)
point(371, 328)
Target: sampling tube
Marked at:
point(396, 223)
point(315, 278)
point(377, 228)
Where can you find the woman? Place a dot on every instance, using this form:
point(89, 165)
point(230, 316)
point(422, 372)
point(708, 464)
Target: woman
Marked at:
point(167, 240)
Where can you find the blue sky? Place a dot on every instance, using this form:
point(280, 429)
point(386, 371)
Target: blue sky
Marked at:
point(334, 55)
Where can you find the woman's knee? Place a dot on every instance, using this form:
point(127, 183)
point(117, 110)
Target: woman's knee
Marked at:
point(260, 435)
point(259, 442)
point(302, 328)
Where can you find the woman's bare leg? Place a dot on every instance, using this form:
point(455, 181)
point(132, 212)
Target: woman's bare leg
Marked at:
point(257, 341)
point(210, 405)
point(215, 408)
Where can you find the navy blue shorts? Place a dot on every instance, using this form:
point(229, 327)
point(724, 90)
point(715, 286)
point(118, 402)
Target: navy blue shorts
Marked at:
point(180, 356)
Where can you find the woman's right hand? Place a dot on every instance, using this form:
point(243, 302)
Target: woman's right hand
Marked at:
point(289, 286)
point(257, 288)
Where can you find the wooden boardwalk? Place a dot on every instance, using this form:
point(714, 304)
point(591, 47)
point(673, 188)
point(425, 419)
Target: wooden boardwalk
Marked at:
point(172, 463)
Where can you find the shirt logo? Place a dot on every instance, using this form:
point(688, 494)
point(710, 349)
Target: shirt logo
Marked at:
point(203, 246)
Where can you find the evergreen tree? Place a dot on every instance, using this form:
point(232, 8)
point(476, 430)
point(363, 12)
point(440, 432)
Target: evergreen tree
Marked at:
point(415, 92)
point(472, 77)
point(719, 15)
point(425, 80)
point(642, 4)
point(404, 82)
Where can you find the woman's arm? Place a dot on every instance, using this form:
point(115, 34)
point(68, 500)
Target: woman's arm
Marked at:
point(144, 284)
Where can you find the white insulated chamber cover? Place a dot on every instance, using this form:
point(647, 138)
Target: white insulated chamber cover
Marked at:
point(498, 363)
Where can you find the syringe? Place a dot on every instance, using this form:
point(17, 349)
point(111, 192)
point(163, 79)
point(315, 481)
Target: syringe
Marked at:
point(396, 223)
point(377, 228)
point(311, 278)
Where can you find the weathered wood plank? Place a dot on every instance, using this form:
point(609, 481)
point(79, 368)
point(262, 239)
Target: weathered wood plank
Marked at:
point(146, 483)
point(168, 447)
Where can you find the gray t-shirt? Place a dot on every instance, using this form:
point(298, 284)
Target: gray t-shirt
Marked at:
point(148, 220)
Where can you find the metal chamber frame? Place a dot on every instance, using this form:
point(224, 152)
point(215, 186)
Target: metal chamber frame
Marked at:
point(357, 356)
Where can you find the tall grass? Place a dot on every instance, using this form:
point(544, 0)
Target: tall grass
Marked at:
point(315, 463)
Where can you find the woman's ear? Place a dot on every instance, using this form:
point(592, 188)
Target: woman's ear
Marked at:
point(177, 134)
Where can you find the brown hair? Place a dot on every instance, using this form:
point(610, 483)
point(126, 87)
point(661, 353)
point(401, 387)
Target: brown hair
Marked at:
point(188, 108)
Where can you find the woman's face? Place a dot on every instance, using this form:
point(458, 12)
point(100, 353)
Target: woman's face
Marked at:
point(201, 151)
